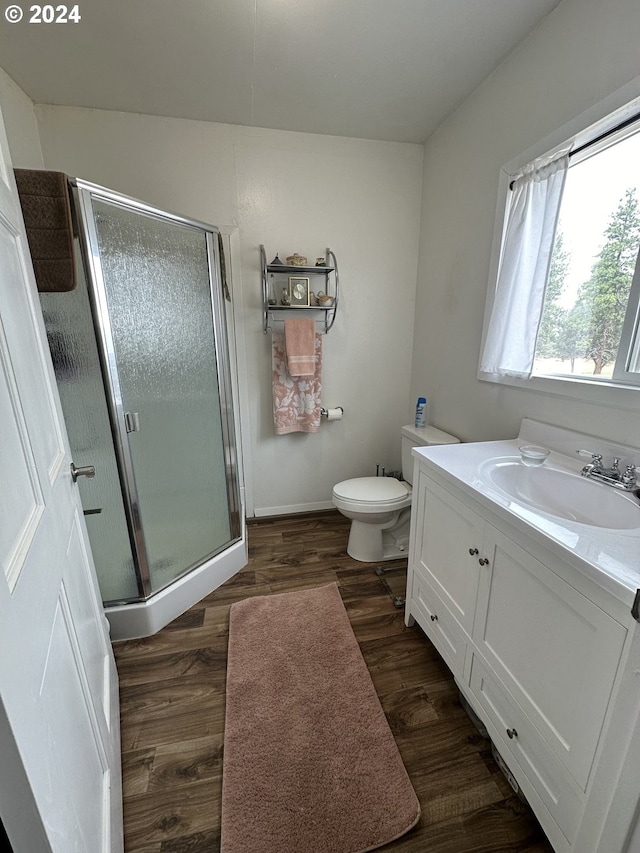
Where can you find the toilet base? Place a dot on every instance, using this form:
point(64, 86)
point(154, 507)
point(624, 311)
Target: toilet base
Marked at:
point(370, 543)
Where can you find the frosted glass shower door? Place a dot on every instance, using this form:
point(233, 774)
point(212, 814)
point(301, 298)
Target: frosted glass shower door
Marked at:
point(157, 305)
point(76, 361)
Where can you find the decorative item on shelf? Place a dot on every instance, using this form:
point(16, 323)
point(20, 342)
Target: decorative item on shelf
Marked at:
point(271, 299)
point(296, 260)
point(276, 262)
point(324, 300)
point(299, 291)
point(320, 262)
point(284, 299)
point(313, 299)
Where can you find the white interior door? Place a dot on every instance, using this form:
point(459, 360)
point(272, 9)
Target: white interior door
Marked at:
point(60, 780)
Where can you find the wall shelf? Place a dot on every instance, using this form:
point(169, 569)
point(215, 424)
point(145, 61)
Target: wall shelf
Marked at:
point(275, 278)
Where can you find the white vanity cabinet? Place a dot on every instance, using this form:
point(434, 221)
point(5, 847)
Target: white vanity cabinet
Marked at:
point(535, 646)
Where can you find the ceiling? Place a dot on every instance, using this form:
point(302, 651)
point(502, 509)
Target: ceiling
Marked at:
point(375, 69)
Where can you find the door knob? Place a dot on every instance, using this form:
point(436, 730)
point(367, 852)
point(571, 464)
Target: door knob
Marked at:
point(87, 471)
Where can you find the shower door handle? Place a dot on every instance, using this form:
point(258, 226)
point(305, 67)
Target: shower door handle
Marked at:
point(132, 421)
point(87, 471)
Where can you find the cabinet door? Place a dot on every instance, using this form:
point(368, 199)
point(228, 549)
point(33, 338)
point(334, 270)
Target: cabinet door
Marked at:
point(555, 651)
point(447, 549)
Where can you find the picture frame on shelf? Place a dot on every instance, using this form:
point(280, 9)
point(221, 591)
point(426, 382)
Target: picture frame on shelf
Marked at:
point(299, 291)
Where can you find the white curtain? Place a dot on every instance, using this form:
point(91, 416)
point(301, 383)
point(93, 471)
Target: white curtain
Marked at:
point(529, 235)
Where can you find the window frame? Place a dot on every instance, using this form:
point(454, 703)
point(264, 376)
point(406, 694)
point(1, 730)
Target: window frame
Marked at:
point(629, 349)
point(623, 389)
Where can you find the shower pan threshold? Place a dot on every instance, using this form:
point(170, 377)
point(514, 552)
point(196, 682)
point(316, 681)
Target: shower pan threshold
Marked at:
point(144, 618)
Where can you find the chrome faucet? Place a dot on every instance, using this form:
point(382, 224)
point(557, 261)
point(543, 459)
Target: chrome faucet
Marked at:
point(612, 476)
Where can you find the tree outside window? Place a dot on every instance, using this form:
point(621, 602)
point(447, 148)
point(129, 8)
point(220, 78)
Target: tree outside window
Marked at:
point(582, 319)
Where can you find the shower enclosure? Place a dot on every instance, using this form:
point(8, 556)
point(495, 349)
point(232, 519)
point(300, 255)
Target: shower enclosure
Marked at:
point(142, 360)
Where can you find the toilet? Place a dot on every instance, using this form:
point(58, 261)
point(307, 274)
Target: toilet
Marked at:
point(380, 507)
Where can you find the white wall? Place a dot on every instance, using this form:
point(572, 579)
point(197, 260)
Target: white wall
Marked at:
point(299, 192)
point(581, 54)
point(21, 125)
point(291, 192)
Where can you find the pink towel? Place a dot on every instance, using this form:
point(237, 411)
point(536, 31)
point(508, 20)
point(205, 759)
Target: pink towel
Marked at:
point(299, 339)
point(297, 401)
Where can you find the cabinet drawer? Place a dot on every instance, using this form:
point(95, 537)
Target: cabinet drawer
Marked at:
point(526, 752)
point(438, 624)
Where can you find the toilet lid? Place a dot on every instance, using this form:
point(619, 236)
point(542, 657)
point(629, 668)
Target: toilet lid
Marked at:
point(374, 489)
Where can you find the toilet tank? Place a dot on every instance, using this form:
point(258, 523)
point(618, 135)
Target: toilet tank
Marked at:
point(426, 437)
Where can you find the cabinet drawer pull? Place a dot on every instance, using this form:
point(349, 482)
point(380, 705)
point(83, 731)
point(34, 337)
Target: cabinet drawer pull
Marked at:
point(434, 617)
point(511, 733)
point(483, 561)
point(473, 551)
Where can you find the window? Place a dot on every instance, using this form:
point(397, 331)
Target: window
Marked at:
point(590, 315)
point(566, 304)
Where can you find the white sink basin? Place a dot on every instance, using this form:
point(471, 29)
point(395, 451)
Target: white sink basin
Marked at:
point(563, 494)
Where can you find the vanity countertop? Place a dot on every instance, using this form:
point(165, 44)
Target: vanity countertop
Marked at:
point(610, 557)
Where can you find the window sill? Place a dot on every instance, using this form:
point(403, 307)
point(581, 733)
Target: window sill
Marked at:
point(599, 393)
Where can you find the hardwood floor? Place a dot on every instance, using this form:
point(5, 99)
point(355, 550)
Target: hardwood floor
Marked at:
point(173, 698)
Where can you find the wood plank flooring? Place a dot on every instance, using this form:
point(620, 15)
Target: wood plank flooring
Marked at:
point(173, 697)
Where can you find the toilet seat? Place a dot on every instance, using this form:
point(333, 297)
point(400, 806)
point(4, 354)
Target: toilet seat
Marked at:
point(369, 492)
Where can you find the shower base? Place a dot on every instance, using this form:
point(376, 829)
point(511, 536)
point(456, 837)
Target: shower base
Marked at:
point(144, 618)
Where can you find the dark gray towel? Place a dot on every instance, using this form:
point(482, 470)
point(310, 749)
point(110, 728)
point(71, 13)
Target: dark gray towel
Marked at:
point(46, 208)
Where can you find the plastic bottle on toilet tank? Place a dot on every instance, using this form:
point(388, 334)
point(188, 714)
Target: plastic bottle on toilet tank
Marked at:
point(421, 413)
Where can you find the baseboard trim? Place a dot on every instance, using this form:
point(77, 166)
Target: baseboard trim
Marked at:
point(292, 509)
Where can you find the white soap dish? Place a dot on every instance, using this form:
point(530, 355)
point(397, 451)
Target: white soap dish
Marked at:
point(532, 455)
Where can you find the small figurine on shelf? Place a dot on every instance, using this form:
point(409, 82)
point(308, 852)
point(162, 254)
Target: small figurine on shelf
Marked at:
point(271, 299)
point(284, 299)
point(320, 262)
point(276, 261)
point(313, 299)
